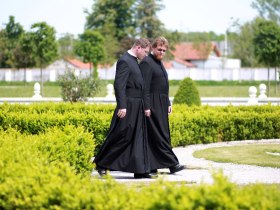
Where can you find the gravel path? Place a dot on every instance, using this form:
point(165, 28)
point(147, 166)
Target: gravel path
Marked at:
point(200, 170)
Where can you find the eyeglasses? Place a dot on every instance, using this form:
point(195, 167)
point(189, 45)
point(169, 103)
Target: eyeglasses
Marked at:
point(161, 50)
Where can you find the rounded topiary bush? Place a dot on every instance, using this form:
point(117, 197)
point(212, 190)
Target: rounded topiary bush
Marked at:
point(187, 93)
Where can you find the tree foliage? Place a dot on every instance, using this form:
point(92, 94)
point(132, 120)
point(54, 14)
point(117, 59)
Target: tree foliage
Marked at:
point(66, 45)
point(121, 21)
point(9, 40)
point(267, 43)
point(200, 36)
point(148, 24)
point(268, 9)
point(43, 37)
point(13, 30)
point(90, 48)
point(24, 52)
point(117, 15)
point(243, 45)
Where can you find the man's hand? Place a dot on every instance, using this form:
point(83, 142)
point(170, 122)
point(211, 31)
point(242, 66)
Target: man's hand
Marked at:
point(169, 109)
point(147, 112)
point(121, 113)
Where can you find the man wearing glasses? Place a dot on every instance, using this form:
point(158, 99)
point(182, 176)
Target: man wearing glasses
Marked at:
point(157, 108)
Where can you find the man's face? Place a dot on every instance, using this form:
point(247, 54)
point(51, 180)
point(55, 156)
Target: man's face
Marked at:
point(142, 52)
point(159, 52)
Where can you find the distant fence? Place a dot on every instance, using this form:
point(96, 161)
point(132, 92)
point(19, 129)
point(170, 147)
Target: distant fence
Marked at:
point(51, 74)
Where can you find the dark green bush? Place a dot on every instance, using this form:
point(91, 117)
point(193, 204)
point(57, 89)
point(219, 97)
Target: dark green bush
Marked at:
point(187, 93)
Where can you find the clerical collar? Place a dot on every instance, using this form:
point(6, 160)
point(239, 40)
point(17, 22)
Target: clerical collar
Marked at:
point(131, 53)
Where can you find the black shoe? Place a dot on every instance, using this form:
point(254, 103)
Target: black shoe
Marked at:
point(145, 176)
point(154, 171)
point(102, 172)
point(177, 168)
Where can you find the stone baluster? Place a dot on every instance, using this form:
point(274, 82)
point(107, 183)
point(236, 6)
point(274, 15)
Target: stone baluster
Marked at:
point(37, 91)
point(262, 89)
point(252, 96)
point(110, 91)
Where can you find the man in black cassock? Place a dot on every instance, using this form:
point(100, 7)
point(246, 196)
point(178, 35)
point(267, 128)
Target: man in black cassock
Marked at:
point(125, 147)
point(157, 108)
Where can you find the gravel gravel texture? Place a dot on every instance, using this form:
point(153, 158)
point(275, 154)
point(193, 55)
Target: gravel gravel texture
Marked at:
point(200, 170)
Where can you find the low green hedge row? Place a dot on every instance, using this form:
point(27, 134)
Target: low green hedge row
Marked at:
point(215, 124)
point(188, 125)
point(50, 171)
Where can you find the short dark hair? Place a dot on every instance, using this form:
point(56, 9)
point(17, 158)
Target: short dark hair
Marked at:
point(142, 42)
point(160, 41)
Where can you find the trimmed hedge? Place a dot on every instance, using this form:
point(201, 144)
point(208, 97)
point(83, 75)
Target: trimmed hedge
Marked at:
point(38, 174)
point(188, 125)
point(194, 125)
point(51, 170)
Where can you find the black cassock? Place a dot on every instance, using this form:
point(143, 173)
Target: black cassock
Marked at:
point(156, 98)
point(125, 147)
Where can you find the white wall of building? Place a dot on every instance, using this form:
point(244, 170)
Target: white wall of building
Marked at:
point(178, 73)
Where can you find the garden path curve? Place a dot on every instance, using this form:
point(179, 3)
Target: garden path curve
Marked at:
point(200, 170)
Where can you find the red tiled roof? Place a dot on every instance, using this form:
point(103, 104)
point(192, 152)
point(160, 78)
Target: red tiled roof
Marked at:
point(77, 63)
point(186, 63)
point(167, 64)
point(188, 52)
point(81, 65)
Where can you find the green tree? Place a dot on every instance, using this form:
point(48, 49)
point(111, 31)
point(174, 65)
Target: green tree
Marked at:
point(25, 53)
point(43, 37)
point(9, 39)
point(111, 46)
point(116, 15)
point(66, 45)
point(115, 21)
point(243, 45)
point(268, 9)
point(267, 44)
point(121, 21)
point(147, 21)
point(124, 45)
point(3, 49)
point(90, 48)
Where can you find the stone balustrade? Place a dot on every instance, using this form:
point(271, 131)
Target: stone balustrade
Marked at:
point(253, 99)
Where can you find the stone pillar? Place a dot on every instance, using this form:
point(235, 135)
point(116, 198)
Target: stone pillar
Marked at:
point(37, 90)
point(110, 91)
point(262, 89)
point(252, 94)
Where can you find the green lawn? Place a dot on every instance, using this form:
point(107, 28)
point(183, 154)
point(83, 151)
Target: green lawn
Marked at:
point(258, 154)
point(206, 89)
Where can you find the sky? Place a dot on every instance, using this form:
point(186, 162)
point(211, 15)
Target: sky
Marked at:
point(68, 16)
